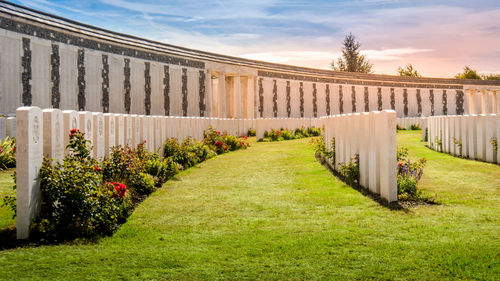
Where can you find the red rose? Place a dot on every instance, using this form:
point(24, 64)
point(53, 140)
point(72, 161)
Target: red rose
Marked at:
point(278, 132)
point(0, 150)
point(97, 168)
point(14, 149)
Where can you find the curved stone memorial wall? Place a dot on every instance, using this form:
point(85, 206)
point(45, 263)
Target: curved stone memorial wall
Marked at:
point(52, 62)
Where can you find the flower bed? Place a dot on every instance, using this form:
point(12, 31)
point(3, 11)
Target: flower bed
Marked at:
point(84, 197)
point(285, 134)
point(7, 153)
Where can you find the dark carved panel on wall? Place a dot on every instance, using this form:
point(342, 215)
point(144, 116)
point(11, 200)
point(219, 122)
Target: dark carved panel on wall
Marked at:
point(301, 92)
point(202, 93)
point(341, 100)
point(166, 90)
point(379, 98)
point(445, 103)
point(26, 73)
point(81, 79)
point(431, 98)
point(354, 81)
point(288, 100)
point(86, 42)
point(419, 103)
point(353, 98)
point(405, 102)
point(126, 85)
point(393, 100)
point(184, 92)
point(327, 95)
point(367, 101)
point(147, 88)
point(55, 77)
point(315, 100)
point(275, 99)
point(105, 83)
point(460, 102)
point(261, 98)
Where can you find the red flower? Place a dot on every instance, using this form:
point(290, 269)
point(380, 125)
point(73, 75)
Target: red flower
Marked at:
point(0, 150)
point(97, 168)
point(72, 132)
point(120, 188)
point(218, 143)
point(218, 133)
point(278, 132)
point(245, 137)
point(13, 149)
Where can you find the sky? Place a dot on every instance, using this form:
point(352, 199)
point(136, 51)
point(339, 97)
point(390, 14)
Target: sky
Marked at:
point(437, 37)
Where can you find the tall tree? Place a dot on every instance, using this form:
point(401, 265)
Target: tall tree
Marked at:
point(351, 59)
point(468, 73)
point(408, 70)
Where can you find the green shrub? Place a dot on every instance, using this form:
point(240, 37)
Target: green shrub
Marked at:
point(313, 131)
point(161, 170)
point(287, 135)
point(75, 200)
point(350, 170)
point(143, 184)
point(251, 133)
point(399, 128)
point(415, 127)
point(7, 153)
point(274, 135)
point(301, 133)
point(171, 147)
point(409, 173)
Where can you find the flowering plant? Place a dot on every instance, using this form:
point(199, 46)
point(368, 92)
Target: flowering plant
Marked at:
point(409, 173)
point(7, 153)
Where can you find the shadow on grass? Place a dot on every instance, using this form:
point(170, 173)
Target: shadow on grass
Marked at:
point(395, 206)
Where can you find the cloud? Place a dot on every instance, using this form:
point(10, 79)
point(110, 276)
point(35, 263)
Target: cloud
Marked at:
point(392, 54)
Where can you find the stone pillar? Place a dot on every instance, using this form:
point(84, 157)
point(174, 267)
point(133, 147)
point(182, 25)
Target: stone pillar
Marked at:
point(484, 102)
point(70, 122)
point(472, 102)
point(109, 133)
point(98, 134)
point(221, 95)
point(237, 100)
point(53, 139)
point(29, 143)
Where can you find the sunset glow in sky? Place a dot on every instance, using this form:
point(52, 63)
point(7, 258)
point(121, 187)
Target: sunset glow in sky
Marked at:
point(438, 37)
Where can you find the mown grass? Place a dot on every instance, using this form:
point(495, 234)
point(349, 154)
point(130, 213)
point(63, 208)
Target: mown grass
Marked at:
point(273, 212)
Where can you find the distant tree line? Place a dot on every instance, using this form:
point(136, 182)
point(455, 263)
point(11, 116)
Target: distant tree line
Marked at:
point(352, 61)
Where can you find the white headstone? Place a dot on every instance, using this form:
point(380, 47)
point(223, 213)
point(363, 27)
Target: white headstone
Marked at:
point(98, 135)
point(3, 128)
point(70, 122)
point(11, 127)
point(29, 143)
point(388, 160)
point(53, 138)
point(109, 132)
point(85, 123)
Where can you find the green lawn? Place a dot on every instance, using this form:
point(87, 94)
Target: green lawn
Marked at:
point(273, 212)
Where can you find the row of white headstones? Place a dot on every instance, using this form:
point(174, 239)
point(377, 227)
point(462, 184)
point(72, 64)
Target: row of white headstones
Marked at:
point(470, 136)
point(46, 133)
point(372, 136)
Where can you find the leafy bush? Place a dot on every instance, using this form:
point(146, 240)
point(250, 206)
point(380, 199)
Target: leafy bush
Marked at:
point(7, 153)
point(399, 128)
point(251, 133)
point(222, 143)
point(287, 135)
point(409, 173)
point(350, 170)
point(313, 131)
point(274, 135)
point(171, 147)
point(415, 127)
point(301, 133)
point(75, 200)
point(161, 170)
point(320, 150)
